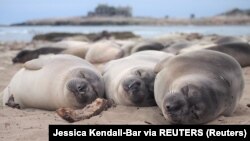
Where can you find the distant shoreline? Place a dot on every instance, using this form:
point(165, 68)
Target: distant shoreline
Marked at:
point(217, 20)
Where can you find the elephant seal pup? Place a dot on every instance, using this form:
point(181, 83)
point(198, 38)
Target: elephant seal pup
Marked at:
point(199, 86)
point(176, 47)
point(75, 48)
point(228, 39)
point(130, 80)
point(147, 45)
point(27, 55)
point(53, 82)
point(239, 51)
point(195, 47)
point(103, 51)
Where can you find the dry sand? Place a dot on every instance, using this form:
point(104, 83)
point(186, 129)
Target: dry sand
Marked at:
point(32, 124)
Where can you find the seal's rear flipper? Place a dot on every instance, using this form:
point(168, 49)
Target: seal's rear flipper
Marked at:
point(11, 103)
point(35, 64)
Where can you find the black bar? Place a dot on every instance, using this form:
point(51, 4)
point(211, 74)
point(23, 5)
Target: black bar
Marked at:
point(204, 132)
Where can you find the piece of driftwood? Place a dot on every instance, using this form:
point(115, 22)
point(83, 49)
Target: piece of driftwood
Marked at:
point(93, 109)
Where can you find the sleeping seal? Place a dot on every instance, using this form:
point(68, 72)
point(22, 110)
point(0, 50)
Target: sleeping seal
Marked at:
point(199, 86)
point(53, 82)
point(130, 80)
point(239, 51)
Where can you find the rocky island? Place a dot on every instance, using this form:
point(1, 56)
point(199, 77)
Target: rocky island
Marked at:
point(109, 15)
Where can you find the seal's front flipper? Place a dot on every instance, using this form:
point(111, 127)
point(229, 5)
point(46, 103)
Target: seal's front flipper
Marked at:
point(35, 64)
point(11, 103)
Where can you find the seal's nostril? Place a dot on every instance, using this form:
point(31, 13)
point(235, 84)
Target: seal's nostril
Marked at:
point(168, 107)
point(174, 107)
point(82, 88)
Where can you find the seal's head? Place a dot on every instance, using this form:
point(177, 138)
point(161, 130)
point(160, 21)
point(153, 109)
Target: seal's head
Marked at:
point(86, 87)
point(138, 87)
point(191, 104)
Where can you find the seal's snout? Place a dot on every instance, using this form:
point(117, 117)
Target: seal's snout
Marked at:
point(174, 103)
point(82, 87)
point(172, 107)
point(132, 85)
point(134, 90)
point(78, 86)
point(135, 86)
point(81, 90)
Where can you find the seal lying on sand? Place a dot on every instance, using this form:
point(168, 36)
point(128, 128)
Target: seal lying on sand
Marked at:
point(54, 82)
point(147, 45)
point(195, 47)
point(103, 51)
point(239, 51)
point(228, 39)
point(176, 47)
point(199, 86)
point(75, 48)
point(130, 80)
point(27, 55)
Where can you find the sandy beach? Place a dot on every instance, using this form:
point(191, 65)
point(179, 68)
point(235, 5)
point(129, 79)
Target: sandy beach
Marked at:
point(32, 124)
point(190, 88)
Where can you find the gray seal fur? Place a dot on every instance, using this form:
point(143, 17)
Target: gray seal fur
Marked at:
point(199, 86)
point(130, 80)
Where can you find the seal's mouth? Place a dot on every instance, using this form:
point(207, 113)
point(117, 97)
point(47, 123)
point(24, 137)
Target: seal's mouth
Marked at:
point(174, 118)
point(180, 118)
point(195, 115)
point(183, 116)
point(175, 106)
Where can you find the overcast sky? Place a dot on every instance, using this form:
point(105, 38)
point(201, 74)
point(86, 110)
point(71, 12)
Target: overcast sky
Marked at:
point(13, 11)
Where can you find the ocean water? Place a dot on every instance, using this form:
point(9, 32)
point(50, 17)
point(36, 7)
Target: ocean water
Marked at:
point(25, 33)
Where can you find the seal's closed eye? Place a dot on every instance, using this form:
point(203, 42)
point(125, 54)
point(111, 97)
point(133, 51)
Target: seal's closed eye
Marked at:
point(138, 72)
point(225, 80)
